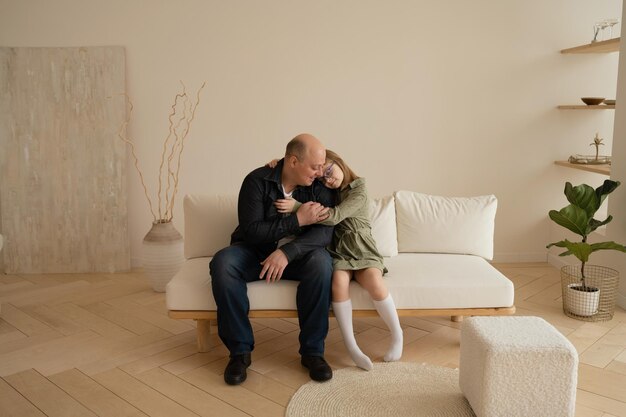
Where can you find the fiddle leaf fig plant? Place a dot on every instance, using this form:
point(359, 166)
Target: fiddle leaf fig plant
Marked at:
point(578, 217)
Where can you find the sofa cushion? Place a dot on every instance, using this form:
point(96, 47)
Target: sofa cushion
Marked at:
point(209, 222)
point(440, 281)
point(383, 218)
point(435, 224)
point(415, 280)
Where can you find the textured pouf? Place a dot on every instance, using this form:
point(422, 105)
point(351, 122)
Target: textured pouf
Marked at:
point(517, 366)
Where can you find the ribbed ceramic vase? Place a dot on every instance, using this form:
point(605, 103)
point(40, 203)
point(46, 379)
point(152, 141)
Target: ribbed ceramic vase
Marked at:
point(162, 254)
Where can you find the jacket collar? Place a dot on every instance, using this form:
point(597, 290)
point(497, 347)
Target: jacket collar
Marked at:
point(276, 173)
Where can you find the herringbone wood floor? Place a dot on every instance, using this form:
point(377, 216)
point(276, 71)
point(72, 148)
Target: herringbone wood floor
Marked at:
point(102, 345)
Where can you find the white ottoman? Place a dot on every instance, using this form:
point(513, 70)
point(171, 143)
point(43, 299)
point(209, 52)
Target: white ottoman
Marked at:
point(517, 366)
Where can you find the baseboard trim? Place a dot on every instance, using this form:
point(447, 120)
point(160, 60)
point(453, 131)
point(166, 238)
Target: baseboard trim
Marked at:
point(502, 257)
point(517, 257)
point(558, 261)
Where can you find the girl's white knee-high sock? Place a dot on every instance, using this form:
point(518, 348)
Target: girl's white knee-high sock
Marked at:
point(387, 311)
point(343, 314)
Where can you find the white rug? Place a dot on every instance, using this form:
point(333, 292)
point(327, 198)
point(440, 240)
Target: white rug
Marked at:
point(395, 389)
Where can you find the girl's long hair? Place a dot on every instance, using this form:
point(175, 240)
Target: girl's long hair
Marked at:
point(348, 174)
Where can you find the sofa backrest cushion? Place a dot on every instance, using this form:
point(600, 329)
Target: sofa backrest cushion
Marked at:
point(383, 218)
point(463, 225)
point(209, 222)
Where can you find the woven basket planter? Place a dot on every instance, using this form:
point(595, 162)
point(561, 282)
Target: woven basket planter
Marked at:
point(595, 304)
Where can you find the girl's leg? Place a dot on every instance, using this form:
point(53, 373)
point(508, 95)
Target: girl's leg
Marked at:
point(342, 307)
point(372, 280)
point(341, 285)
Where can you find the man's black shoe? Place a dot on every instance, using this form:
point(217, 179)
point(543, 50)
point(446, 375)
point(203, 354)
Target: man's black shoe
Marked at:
point(319, 370)
point(235, 372)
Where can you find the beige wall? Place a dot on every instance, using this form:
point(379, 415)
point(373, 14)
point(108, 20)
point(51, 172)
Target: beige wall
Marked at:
point(451, 98)
point(616, 230)
point(617, 203)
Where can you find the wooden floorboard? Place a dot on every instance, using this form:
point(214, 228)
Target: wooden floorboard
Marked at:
point(103, 345)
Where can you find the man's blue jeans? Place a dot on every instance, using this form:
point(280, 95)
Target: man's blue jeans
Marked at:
point(233, 267)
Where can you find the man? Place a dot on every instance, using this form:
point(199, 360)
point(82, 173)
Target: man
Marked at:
point(269, 245)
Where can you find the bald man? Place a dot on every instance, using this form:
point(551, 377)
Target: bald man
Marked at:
point(271, 246)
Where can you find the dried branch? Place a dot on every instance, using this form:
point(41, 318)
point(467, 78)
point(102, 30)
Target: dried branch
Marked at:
point(173, 145)
point(182, 147)
point(172, 130)
point(132, 149)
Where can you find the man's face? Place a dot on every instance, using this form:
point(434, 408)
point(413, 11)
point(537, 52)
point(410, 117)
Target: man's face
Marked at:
point(310, 167)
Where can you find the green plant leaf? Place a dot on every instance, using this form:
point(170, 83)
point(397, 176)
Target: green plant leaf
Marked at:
point(572, 218)
point(607, 246)
point(605, 189)
point(578, 249)
point(583, 196)
point(594, 224)
point(566, 253)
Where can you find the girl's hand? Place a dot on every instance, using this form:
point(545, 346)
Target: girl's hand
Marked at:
point(273, 163)
point(285, 205)
point(324, 214)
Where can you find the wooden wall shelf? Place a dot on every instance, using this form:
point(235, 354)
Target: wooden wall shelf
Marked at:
point(586, 107)
point(602, 47)
point(604, 169)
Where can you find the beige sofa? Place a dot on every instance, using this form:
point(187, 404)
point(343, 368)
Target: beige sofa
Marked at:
point(436, 249)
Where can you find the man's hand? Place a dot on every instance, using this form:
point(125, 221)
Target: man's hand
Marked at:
point(273, 266)
point(310, 213)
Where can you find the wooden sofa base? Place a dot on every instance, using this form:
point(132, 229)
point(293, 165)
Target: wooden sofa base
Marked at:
point(205, 318)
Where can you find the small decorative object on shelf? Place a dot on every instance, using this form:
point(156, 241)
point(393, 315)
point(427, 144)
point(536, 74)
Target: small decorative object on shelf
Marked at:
point(589, 291)
point(596, 159)
point(601, 26)
point(592, 101)
point(590, 159)
point(597, 142)
point(162, 254)
point(609, 102)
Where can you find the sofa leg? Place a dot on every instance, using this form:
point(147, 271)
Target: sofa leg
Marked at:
point(203, 329)
point(456, 319)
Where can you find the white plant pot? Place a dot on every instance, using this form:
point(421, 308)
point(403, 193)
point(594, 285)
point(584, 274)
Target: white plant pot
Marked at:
point(582, 303)
point(162, 254)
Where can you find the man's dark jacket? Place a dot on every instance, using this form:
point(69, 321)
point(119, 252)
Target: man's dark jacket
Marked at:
point(261, 225)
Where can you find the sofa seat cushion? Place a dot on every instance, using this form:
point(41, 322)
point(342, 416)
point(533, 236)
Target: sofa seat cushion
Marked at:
point(415, 280)
point(440, 281)
point(190, 289)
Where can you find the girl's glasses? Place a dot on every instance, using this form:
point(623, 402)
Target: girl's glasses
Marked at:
point(328, 172)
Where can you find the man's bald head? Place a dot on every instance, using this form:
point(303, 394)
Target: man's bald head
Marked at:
point(305, 156)
point(302, 145)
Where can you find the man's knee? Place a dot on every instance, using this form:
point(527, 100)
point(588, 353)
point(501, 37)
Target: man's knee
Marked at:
point(222, 267)
point(318, 263)
point(219, 263)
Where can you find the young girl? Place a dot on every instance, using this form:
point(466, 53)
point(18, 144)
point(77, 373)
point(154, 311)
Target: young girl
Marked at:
point(354, 254)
